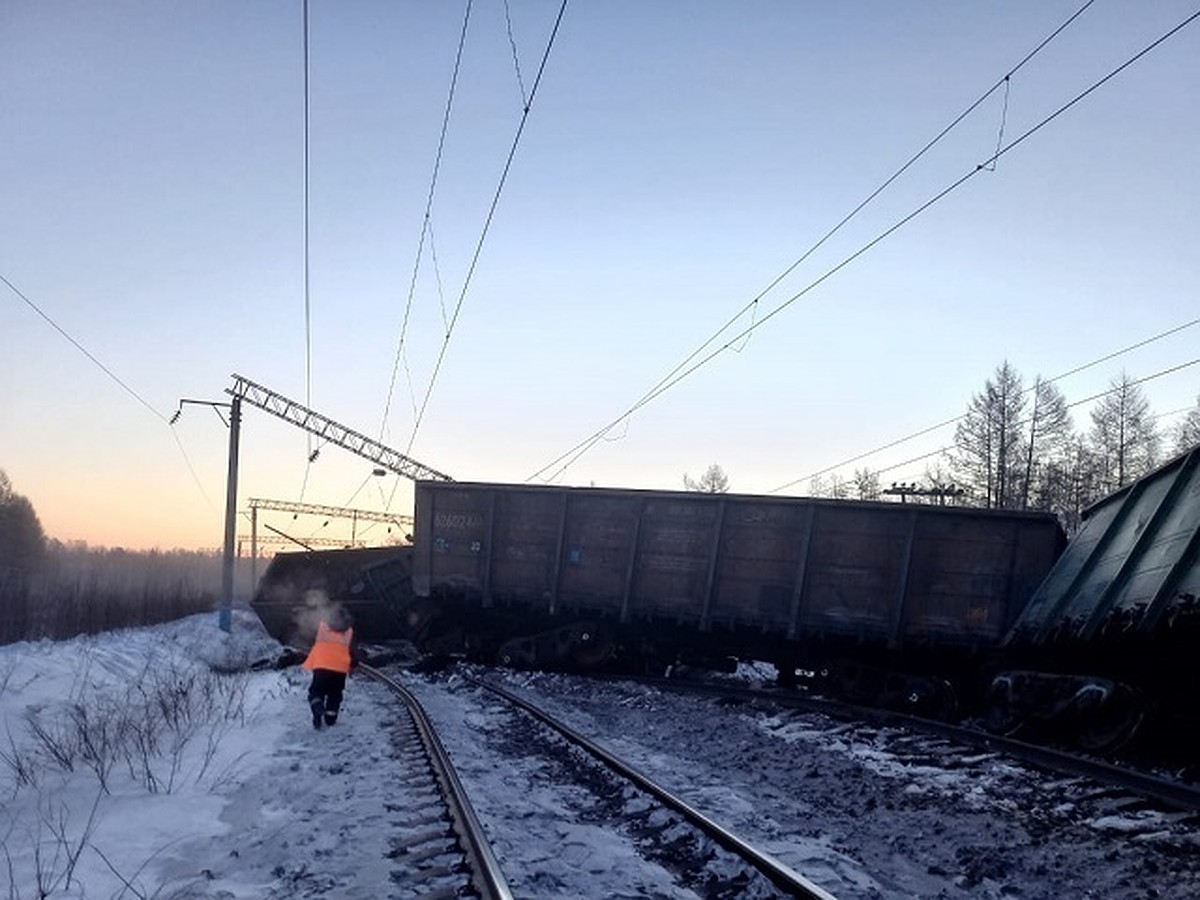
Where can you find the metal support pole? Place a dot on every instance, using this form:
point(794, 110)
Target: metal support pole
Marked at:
point(253, 549)
point(235, 419)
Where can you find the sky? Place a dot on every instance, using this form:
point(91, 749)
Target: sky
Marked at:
point(252, 802)
point(159, 232)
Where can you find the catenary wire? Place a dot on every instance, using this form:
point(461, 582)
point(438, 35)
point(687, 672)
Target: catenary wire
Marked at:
point(488, 222)
point(950, 447)
point(425, 223)
point(951, 421)
point(307, 280)
point(512, 42)
point(111, 374)
point(681, 372)
point(82, 349)
point(437, 277)
point(420, 415)
point(752, 305)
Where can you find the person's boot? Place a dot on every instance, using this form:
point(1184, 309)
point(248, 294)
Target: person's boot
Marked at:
point(330, 716)
point(318, 710)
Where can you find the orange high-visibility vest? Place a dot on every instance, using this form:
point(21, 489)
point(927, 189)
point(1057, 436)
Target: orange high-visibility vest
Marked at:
point(331, 650)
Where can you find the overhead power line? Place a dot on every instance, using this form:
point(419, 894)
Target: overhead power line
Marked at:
point(951, 421)
point(683, 371)
point(667, 381)
point(307, 267)
point(82, 349)
point(512, 42)
point(426, 227)
point(488, 221)
point(949, 447)
point(307, 280)
point(1136, 381)
point(112, 375)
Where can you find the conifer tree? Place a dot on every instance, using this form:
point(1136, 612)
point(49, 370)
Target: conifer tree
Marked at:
point(1123, 437)
point(22, 541)
point(1187, 432)
point(713, 481)
point(990, 457)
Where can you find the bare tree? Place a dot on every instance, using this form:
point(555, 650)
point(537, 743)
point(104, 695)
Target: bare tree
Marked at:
point(866, 484)
point(833, 486)
point(1187, 432)
point(1068, 485)
point(989, 448)
point(1123, 436)
point(713, 481)
point(1050, 433)
point(839, 488)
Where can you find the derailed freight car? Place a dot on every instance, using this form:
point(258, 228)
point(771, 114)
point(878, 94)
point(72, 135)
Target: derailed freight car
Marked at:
point(1109, 641)
point(889, 603)
point(298, 588)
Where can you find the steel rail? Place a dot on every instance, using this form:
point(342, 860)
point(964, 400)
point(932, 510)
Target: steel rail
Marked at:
point(1152, 787)
point(794, 884)
point(1175, 794)
point(489, 880)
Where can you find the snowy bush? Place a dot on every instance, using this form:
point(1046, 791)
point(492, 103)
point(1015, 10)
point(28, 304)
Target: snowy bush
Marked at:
point(139, 715)
point(148, 730)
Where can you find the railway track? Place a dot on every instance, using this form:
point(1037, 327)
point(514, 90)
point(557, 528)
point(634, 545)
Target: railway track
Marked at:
point(1150, 786)
point(785, 880)
point(865, 808)
point(442, 850)
point(879, 810)
point(624, 834)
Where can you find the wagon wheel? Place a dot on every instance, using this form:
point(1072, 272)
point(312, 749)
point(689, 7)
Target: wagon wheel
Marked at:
point(933, 698)
point(1114, 723)
point(516, 653)
point(1001, 715)
point(1003, 719)
point(590, 646)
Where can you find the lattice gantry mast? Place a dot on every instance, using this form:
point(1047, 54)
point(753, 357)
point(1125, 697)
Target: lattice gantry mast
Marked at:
point(405, 523)
point(327, 429)
point(339, 512)
point(276, 540)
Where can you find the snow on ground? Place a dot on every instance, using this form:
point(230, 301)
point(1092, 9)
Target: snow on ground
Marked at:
point(251, 802)
point(850, 807)
point(218, 787)
point(550, 810)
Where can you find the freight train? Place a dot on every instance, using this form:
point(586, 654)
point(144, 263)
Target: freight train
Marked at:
point(1109, 642)
point(882, 603)
point(885, 600)
point(939, 610)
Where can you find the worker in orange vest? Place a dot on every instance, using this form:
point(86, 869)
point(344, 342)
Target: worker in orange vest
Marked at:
point(330, 660)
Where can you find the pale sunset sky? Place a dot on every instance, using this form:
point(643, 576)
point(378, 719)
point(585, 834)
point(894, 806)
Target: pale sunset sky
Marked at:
point(676, 160)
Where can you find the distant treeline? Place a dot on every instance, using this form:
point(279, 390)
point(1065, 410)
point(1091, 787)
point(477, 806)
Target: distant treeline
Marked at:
point(49, 589)
point(75, 589)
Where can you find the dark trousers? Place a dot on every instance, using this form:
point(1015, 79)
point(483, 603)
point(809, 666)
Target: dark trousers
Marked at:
point(325, 694)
